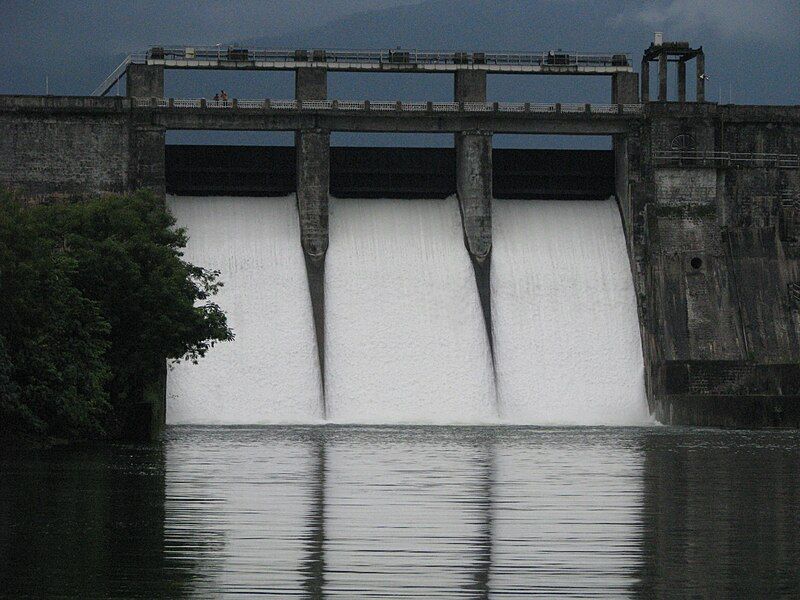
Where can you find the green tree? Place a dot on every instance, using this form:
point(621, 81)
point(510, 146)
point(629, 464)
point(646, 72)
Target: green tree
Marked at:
point(52, 338)
point(114, 268)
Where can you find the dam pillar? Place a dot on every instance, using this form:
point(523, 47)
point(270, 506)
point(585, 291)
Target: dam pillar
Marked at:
point(701, 76)
point(312, 151)
point(474, 189)
point(645, 80)
point(310, 83)
point(474, 185)
point(625, 88)
point(662, 77)
point(144, 81)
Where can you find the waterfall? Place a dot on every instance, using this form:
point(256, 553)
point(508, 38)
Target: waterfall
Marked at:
point(566, 331)
point(405, 339)
point(270, 372)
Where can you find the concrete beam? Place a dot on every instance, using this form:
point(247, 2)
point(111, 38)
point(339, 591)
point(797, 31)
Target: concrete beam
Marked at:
point(144, 81)
point(662, 77)
point(390, 121)
point(625, 88)
point(310, 83)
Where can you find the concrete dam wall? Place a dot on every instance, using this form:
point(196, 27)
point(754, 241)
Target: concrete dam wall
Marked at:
point(709, 198)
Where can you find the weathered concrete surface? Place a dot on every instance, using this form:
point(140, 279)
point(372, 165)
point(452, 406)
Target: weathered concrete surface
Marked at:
point(625, 88)
point(557, 123)
point(144, 81)
point(310, 83)
point(64, 145)
point(53, 146)
point(714, 257)
point(474, 185)
point(312, 150)
point(469, 86)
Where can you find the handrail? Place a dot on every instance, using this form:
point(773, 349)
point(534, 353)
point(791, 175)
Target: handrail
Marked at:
point(378, 106)
point(115, 76)
point(398, 56)
point(721, 157)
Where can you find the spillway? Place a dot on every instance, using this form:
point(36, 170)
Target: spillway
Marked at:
point(270, 372)
point(566, 331)
point(405, 338)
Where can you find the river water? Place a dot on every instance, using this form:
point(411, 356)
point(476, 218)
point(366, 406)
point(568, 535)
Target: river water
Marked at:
point(407, 512)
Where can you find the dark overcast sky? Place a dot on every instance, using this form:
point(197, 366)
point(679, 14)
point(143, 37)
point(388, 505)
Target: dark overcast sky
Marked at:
point(752, 47)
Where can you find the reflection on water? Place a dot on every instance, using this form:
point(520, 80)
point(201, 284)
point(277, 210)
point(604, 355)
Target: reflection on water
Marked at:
point(355, 512)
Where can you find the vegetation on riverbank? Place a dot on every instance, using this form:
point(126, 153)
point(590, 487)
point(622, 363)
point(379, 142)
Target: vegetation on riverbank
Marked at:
point(94, 297)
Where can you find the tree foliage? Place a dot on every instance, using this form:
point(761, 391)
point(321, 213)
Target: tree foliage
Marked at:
point(94, 297)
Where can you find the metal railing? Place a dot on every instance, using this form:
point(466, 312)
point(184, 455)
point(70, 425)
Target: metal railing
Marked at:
point(721, 158)
point(399, 56)
point(384, 106)
point(115, 76)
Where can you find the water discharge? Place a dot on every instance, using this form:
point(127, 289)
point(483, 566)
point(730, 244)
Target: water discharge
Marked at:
point(405, 339)
point(566, 332)
point(405, 336)
point(270, 372)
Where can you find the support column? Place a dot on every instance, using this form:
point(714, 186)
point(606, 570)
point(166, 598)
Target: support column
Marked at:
point(310, 83)
point(701, 77)
point(474, 189)
point(682, 81)
point(144, 81)
point(662, 77)
point(645, 80)
point(312, 151)
point(625, 88)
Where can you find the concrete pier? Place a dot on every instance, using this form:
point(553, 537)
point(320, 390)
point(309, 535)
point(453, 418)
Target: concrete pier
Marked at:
point(701, 76)
point(625, 88)
point(312, 151)
point(144, 81)
point(474, 190)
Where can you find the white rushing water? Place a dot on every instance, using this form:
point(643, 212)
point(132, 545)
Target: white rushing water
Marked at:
point(566, 332)
point(270, 372)
point(405, 338)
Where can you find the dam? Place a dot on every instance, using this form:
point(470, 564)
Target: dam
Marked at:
point(468, 284)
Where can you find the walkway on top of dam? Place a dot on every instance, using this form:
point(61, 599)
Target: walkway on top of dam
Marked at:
point(398, 60)
point(337, 115)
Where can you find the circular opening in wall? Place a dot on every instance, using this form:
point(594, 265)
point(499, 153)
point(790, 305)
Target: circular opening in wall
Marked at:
point(696, 262)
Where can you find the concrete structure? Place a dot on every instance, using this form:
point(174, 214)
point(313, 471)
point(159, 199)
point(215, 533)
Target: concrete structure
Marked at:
point(680, 53)
point(709, 197)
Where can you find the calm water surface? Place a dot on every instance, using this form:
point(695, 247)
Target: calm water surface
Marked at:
point(407, 512)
